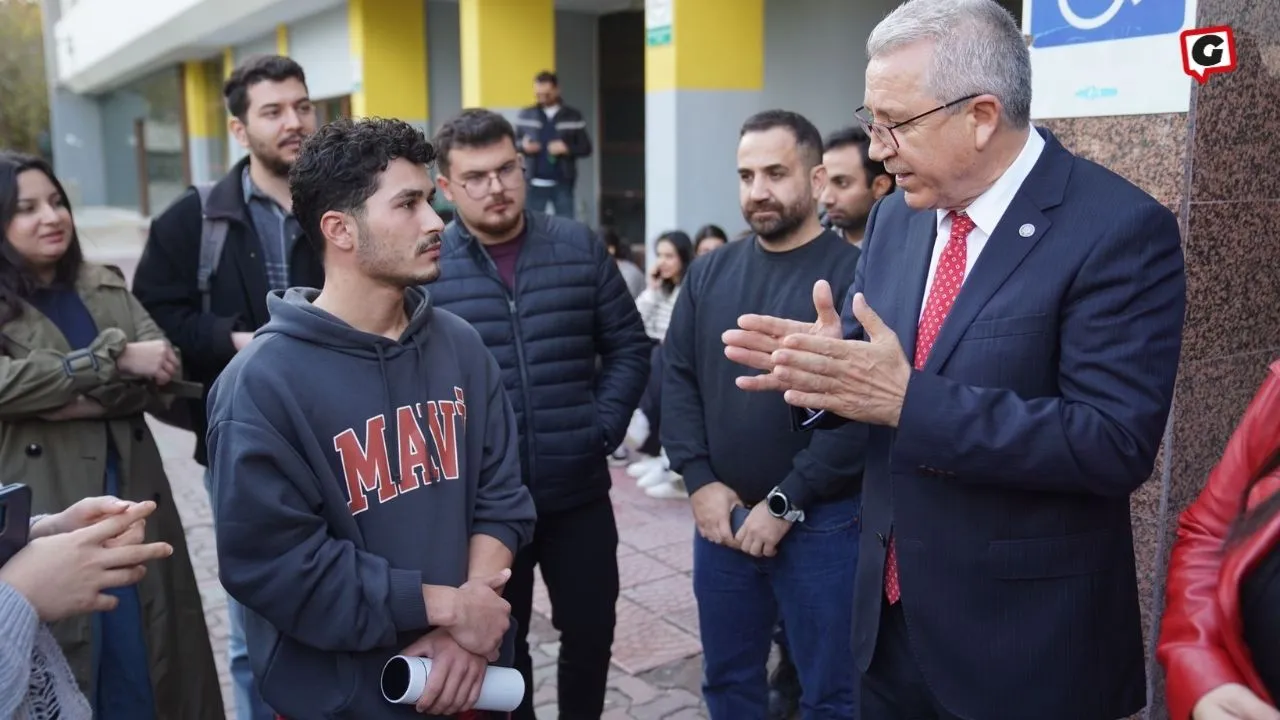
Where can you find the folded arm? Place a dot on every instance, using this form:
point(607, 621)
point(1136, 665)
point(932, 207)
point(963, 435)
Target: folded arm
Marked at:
point(1120, 340)
point(46, 380)
point(1191, 646)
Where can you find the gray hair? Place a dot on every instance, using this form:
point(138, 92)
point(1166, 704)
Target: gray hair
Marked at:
point(978, 49)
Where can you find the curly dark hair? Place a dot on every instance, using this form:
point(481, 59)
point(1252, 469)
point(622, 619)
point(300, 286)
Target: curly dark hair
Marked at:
point(341, 165)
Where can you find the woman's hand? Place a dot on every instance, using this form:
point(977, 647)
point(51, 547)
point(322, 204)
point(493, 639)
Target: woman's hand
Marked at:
point(1233, 702)
point(152, 359)
point(64, 575)
point(80, 515)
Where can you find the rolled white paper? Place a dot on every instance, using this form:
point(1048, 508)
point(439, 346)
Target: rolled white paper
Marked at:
point(404, 678)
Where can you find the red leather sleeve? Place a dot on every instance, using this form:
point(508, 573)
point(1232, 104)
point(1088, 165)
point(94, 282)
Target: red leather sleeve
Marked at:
point(1191, 647)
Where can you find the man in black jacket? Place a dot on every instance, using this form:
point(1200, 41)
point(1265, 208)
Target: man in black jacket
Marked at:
point(552, 136)
point(271, 113)
point(548, 300)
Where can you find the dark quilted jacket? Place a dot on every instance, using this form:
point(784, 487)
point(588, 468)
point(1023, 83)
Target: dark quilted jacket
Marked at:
point(572, 348)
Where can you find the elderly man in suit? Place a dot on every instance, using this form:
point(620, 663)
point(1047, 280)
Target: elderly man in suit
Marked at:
point(1014, 334)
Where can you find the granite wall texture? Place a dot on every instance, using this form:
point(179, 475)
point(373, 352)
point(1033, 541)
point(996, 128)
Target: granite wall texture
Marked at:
point(1218, 167)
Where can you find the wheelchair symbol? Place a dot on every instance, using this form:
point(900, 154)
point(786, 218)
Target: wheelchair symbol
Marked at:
point(1091, 23)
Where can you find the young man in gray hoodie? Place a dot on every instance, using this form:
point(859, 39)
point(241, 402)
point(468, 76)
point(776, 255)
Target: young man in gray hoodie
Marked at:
point(364, 453)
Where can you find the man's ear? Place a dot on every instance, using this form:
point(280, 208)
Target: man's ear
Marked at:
point(238, 131)
point(818, 179)
point(881, 186)
point(338, 229)
point(445, 186)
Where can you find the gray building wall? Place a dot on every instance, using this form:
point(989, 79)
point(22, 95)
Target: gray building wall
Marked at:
point(322, 46)
point(75, 128)
point(444, 62)
point(119, 110)
point(815, 58)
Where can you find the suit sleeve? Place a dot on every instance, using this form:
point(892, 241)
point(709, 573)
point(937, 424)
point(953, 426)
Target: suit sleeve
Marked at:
point(684, 427)
point(1191, 646)
point(165, 283)
point(277, 558)
point(623, 348)
point(504, 508)
point(1120, 339)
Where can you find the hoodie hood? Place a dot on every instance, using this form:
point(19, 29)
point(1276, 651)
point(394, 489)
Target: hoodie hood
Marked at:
point(293, 313)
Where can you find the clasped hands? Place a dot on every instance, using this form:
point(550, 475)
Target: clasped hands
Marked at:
point(471, 622)
point(816, 368)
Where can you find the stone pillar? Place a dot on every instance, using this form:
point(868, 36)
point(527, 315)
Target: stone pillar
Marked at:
point(704, 72)
point(389, 55)
point(1215, 167)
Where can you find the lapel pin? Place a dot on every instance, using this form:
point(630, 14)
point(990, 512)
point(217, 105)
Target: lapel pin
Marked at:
point(1027, 230)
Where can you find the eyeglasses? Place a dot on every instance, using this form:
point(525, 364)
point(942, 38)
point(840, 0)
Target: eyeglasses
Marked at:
point(479, 185)
point(884, 133)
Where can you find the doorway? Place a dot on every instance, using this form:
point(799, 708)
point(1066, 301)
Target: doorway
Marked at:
point(621, 110)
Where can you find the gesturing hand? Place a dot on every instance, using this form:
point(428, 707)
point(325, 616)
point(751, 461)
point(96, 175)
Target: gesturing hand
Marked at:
point(758, 337)
point(80, 515)
point(64, 575)
point(456, 676)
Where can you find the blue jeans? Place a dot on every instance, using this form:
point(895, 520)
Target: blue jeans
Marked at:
point(560, 196)
point(809, 585)
point(249, 703)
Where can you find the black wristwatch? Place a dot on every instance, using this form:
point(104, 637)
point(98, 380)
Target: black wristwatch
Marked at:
point(780, 506)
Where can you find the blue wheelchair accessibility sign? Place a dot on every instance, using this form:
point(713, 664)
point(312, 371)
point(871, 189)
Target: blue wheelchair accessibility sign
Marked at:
point(1074, 22)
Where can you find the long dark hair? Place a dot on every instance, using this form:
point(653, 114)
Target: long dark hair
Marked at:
point(17, 280)
point(684, 250)
point(1250, 521)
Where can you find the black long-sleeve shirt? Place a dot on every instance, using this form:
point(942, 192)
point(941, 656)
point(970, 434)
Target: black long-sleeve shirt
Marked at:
point(713, 431)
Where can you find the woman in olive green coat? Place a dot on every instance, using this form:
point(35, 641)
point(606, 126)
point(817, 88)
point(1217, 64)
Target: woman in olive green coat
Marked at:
point(80, 362)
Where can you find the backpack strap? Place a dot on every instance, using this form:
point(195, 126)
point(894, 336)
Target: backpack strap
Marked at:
point(213, 237)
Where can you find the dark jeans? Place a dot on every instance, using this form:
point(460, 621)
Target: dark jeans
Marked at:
point(810, 585)
point(893, 688)
point(559, 196)
point(651, 403)
point(578, 552)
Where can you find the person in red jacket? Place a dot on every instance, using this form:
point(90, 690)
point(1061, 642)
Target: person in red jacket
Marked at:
point(1220, 635)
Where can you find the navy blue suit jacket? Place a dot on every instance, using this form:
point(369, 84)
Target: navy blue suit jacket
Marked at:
point(1040, 410)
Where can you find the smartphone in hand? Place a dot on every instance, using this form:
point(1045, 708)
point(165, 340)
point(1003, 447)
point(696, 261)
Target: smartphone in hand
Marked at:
point(15, 520)
point(737, 517)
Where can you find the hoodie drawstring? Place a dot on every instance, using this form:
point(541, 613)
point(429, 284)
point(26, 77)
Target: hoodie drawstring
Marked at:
point(389, 435)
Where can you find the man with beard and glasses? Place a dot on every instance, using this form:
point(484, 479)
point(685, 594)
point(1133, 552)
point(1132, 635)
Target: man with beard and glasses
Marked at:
point(270, 115)
point(366, 474)
point(553, 309)
point(854, 182)
point(795, 554)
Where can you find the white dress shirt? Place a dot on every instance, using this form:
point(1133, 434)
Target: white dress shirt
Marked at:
point(986, 210)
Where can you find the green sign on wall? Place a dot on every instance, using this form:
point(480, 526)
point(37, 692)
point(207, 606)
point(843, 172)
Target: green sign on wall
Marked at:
point(657, 22)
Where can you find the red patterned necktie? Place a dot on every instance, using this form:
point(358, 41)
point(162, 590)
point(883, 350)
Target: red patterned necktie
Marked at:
point(947, 279)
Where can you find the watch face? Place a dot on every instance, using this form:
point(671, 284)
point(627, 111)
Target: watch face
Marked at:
point(778, 504)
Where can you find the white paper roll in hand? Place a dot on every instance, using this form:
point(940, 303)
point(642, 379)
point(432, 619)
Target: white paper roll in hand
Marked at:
point(404, 678)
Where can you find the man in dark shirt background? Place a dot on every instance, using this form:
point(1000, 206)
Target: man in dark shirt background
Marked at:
point(552, 136)
point(795, 555)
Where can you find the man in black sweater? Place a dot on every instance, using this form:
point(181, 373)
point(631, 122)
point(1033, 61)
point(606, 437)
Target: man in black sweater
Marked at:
point(795, 554)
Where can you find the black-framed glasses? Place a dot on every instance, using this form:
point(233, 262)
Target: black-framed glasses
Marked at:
point(884, 133)
point(479, 185)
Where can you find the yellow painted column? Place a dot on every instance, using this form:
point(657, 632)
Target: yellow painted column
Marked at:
point(282, 40)
point(389, 51)
point(228, 62)
point(205, 118)
point(704, 73)
point(504, 44)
